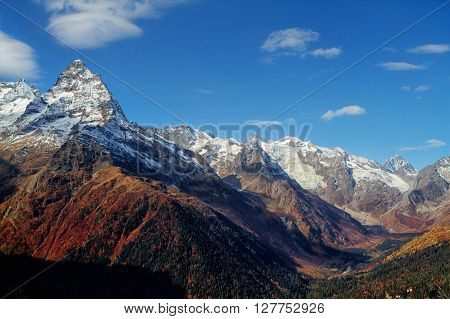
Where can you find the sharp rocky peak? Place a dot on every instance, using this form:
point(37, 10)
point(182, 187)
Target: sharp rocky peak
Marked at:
point(254, 141)
point(77, 81)
point(10, 91)
point(445, 161)
point(78, 99)
point(183, 135)
point(80, 93)
point(253, 151)
point(181, 129)
point(14, 98)
point(397, 163)
point(290, 140)
point(78, 68)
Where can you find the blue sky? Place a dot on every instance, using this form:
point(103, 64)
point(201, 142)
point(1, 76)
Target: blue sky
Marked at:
point(210, 61)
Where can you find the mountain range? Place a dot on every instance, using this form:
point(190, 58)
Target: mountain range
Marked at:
point(394, 195)
point(223, 218)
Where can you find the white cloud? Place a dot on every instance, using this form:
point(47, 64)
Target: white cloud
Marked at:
point(90, 30)
point(351, 110)
point(17, 59)
point(263, 122)
point(402, 66)
point(407, 88)
point(326, 53)
point(435, 143)
point(295, 42)
point(94, 23)
point(422, 88)
point(294, 39)
point(431, 48)
point(429, 144)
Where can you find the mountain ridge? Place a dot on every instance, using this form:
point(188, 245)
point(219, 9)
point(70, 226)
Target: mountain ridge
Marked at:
point(365, 189)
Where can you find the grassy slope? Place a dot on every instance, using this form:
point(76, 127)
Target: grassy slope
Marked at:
point(432, 237)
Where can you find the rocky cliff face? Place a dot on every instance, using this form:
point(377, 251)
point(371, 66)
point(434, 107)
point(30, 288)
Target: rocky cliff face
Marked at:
point(426, 203)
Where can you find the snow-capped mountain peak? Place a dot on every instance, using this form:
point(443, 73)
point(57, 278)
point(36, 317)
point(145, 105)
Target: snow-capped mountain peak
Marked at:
point(184, 136)
point(84, 93)
point(80, 81)
point(397, 164)
point(14, 98)
point(78, 99)
point(10, 91)
point(443, 168)
point(79, 108)
point(254, 141)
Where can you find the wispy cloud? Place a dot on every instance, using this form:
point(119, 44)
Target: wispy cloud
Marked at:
point(204, 91)
point(351, 110)
point(295, 42)
point(326, 53)
point(429, 144)
point(407, 88)
point(420, 88)
point(263, 122)
point(94, 23)
point(431, 49)
point(17, 59)
point(294, 39)
point(402, 66)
